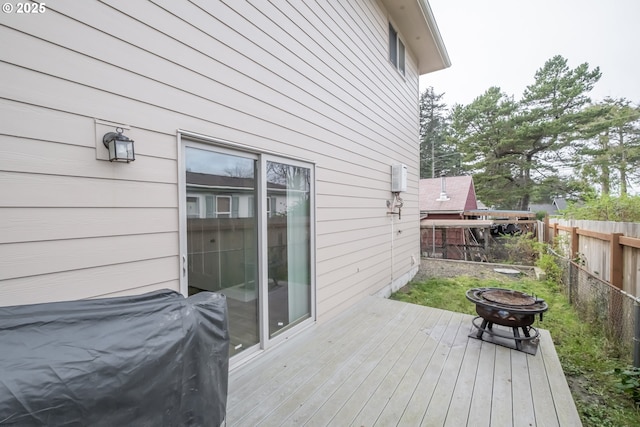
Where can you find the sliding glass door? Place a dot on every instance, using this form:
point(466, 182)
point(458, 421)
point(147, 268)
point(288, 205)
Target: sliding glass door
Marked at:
point(288, 240)
point(249, 235)
point(222, 236)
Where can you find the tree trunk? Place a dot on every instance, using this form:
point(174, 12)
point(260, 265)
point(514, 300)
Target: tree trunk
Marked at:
point(606, 172)
point(623, 163)
point(526, 184)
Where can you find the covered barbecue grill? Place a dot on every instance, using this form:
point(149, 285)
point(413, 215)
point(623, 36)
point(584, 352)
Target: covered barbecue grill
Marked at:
point(511, 309)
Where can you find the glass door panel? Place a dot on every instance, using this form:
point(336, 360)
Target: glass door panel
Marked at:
point(222, 236)
point(288, 245)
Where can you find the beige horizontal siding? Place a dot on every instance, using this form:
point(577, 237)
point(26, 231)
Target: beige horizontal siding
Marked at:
point(191, 83)
point(343, 296)
point(44, 157)
point(172, 285)
point(335, 273)
point(41, 190)
point(306, 79)
point(27, 121)
point(34, 258)
point(42, 223)
point(92, 282)
point(343, 244)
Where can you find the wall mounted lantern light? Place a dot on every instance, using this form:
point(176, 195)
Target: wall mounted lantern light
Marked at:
point(120, 147)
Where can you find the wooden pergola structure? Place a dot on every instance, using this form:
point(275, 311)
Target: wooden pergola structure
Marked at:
point(469, 238)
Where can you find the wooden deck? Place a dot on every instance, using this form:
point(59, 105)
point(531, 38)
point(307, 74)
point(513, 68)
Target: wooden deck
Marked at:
point(388, 363)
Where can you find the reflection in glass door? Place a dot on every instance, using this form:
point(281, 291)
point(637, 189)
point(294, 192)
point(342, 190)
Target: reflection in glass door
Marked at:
point(289, 246)
point(222, 236)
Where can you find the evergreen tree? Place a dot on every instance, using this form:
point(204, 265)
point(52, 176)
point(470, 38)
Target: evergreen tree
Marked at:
point(610, 157)
point(436, 155)
point(513, 147)
point(483, 133)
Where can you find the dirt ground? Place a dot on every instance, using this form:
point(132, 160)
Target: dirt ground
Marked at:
point(431, 267)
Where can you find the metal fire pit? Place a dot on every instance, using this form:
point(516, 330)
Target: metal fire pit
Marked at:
point(508, 308)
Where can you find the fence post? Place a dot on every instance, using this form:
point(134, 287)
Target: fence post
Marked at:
point(636, 335)
point(616, 275)
point(545, 230)
point(615, 278)
point(575, 246)
point(570, 281)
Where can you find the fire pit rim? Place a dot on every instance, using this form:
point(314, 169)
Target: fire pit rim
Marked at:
point(474, 295)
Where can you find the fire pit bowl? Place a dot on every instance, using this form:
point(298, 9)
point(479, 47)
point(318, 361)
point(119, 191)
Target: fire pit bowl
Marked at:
point(509, 308)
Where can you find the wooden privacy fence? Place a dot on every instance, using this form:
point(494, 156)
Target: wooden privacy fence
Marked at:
point(612, 256)
point(600, 276)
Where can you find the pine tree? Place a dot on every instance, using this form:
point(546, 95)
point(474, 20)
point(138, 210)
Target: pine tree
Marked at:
point(436, 155)
point(610, 155)
point(513, 147)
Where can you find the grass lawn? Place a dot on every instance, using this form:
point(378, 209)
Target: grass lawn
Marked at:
point(587, 358)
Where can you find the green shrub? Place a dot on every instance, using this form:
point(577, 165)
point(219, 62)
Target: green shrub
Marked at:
point(540, 215)
point(548, 264)
point(521, 249)
point(606, 208)
point(629, 382)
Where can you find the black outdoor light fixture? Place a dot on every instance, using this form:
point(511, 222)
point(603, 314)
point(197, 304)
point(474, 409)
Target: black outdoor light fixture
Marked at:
point(120, 147)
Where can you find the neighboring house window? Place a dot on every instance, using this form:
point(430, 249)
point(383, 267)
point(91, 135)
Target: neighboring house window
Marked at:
point(235, 207)
point(193, 206)
point(223, 207)
point(269, 206)
point(396, 50)
point(210, 206)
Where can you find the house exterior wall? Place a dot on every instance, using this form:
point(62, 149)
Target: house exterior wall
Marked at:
point(305, 79)
point(471, 203)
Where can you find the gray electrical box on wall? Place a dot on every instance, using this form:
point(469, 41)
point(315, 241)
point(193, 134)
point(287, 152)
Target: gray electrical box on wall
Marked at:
point(398, 178)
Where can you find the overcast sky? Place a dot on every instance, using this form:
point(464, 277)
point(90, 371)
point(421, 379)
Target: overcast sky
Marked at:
point(503, 42)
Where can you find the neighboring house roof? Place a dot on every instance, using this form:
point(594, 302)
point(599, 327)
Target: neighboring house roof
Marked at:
point(420, 33)
point(558, 204)
point(481, 205)
point(460, 194)
point(542, 207)
point(209, 180)
point(223, 181)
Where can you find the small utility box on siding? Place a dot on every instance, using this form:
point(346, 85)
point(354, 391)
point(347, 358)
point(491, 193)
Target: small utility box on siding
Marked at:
point(398, 178)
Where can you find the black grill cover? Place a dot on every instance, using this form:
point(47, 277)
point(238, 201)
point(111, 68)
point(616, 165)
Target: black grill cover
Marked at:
point(157, 359)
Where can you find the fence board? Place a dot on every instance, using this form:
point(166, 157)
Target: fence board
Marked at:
point(609, 250)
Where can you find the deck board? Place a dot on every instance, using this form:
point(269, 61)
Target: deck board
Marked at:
point(364, 368)
point(458, 409)
point(523, 409)
point(362, 393)
point(501, 402)
point(391, 363)
point(402, 394)
point(431, 369)
point(276, 387)
point(439, 405)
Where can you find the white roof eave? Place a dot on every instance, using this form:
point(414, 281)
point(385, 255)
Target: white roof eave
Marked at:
point(419, 31)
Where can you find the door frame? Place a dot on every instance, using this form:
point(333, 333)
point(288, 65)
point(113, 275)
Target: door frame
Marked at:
point(192, 139)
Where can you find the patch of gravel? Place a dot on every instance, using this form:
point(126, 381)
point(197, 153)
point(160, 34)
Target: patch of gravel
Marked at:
point(437, 268)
